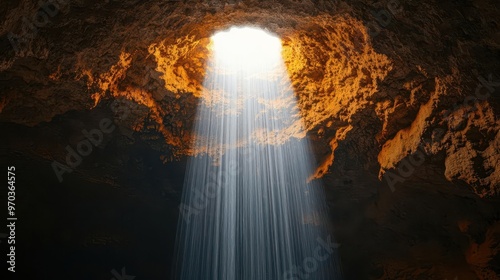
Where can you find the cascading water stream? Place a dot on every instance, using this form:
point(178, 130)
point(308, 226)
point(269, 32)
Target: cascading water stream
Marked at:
point(248, 211)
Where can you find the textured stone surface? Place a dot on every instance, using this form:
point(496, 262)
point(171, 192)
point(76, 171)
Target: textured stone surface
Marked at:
point(394, 96)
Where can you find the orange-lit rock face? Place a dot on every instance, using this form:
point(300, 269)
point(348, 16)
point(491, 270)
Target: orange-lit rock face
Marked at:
point(348, 90)
point(182, 64)
point(333, 69)
point(413, 105)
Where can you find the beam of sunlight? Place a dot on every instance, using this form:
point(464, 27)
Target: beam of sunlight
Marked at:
point(247, 210)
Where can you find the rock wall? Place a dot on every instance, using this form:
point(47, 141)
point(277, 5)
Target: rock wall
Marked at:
point(396, 97)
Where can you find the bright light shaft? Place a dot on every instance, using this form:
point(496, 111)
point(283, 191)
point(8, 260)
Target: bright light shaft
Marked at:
point(247, 211)
point(246, 46)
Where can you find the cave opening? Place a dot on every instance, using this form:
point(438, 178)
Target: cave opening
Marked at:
point(248, 210)
point(246, 47)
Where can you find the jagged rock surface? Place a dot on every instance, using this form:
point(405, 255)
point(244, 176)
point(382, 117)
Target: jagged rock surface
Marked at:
point(399, 98)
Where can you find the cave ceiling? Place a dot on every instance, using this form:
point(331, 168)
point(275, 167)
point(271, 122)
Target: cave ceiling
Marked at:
point(406, 92)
